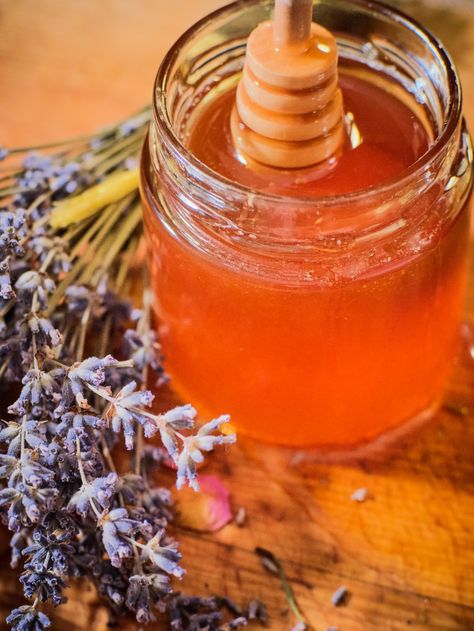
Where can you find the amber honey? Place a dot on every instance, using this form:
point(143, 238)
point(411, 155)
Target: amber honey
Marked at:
point(341, 336)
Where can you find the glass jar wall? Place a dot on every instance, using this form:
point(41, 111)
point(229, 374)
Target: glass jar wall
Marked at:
point(313, 320)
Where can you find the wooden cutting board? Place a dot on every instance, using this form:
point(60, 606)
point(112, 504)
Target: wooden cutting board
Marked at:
point(406, 554)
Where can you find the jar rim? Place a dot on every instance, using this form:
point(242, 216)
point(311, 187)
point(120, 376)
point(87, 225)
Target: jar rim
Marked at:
point(451, 117)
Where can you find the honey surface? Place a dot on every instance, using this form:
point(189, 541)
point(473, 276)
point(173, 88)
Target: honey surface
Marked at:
point(391, 139)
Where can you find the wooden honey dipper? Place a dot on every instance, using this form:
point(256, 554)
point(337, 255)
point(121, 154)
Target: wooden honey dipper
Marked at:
point(288, 111)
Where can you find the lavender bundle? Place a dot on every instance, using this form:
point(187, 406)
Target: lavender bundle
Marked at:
point(70, 226)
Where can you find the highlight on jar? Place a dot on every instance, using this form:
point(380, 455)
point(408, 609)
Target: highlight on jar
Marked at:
point(306, 186)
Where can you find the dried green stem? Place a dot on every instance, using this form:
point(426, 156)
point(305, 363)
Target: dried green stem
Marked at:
point(83, 476)
point(272, 564)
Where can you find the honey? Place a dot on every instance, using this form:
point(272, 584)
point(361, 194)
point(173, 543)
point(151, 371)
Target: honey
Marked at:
point(318, 306)
point(390, 138)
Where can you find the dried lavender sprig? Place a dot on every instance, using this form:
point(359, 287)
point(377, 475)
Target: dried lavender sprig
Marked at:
point(188, 613)
point(72, 513)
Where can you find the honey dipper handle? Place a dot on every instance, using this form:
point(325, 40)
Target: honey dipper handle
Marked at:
point(288, 109)
point(292, 24)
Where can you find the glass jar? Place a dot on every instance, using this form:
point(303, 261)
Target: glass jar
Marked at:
point(313, 321)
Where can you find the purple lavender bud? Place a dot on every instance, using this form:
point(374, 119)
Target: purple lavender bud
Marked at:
point(70, 187)
point(186, 471)
point(169, 441)
point(131, 163)
point(18, 542)
point(138, 599)
point(340, 596)
point(28, 618)
point(35, 473)
point(43, 583)
point(8, 465)
point(28, 282)
point(162, 556)
point(36, 384)
point(9, 432)
point(49, 285)
point(129, 127)
point(34, 433)
point(360, 495)
point(213, 425)
point(96, 143)
point(145, 592)
point(99, 492)
point(57, 183)
point(78, 298)
point(47, 328)
point(125, 412)
point(34, 160)
point(92, 370)
point(8, 496)
point(180, 417)
point(6, 289)
point(117, 529)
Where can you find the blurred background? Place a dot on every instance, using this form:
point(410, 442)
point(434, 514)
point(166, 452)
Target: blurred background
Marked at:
point(69, 66)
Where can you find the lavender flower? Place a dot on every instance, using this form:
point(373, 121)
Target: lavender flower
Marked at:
point(12, 223)
point(6, 289)
point(36, 384)
point(256, 610)
point(11, 232)
point(42, 245)
point(8, 464)
point(98, 492)
point(70, 511)
point(192, 613)
point(35, 283)
point(181, 417)
point(18, 542)
point(43, 583)
point(34, 433)
point(77, 298)
point(360, 495)
point(124, 412)
point(157, 503)
point(340, 596)
point(33, 472)
point(54, 547)
point(143, 349)
point(117, 530)
point(145, 593)
point(27, 618)
point(112, 584)
point(89, 372)
point(191, 454)
point(43, 173)
point(162, 556)
point(78, 425)
point(42, 331)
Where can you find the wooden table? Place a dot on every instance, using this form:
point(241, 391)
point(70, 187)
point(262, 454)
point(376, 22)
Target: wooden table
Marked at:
point(406, 554)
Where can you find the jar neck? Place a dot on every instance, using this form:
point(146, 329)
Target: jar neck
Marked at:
point(391, 231)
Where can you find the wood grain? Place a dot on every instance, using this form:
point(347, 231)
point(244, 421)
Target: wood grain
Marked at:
point(406, 554)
